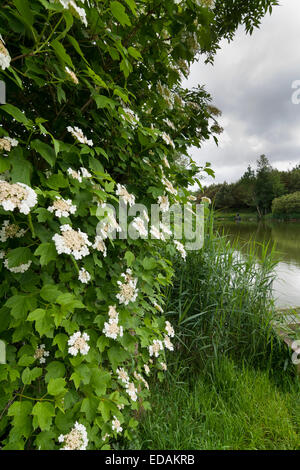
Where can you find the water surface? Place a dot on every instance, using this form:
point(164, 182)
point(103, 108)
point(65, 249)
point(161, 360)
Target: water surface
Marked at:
point(286, 235)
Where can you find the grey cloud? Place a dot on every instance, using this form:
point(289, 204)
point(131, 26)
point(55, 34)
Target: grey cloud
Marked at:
point(251, 82)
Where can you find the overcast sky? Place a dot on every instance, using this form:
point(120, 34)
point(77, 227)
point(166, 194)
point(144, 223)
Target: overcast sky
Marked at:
point(251, 83)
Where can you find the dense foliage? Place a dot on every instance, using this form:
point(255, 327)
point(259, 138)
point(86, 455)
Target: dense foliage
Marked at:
point(287, 205)
point(256, 189)
point(94, 111)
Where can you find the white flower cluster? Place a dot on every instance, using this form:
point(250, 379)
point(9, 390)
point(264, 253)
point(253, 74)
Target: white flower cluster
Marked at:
point(125, 196)
point(107, 226)
point(130, 116)
point(139, 225)
point(72, 75)
point(78, 175)
point(131, 390)
point(62, 207)
point(4, 55)
point(74, 8)
point(155, 348)
point(169, 187)
point(22, 268)
point(169, 329)
point(72, 242)
point(116, 425)
point(40, 354)
point(78, 343)
point(128, 290)
point(76, 439)
point(17, 196)
point(168, 139)
point(99, 245)
point(2, 254)
point(155, 233)
point(6, 143)
point(123, 375)
point(84, 276)
point(180, 248)
point(10, 231)
point(164, 203)
point(111, 328)
point(78, 134)
point(140, 378)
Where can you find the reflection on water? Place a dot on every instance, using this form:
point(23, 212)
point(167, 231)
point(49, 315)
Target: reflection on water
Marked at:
point(286, 235)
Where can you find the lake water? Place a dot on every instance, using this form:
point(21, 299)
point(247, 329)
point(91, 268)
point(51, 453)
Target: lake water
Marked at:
point(286, 235)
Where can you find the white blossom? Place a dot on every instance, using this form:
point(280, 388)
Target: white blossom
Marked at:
point(6, 143)
point(116, 425)
point(72, 242)
point(76, 439)
point(132, 391)
point(78, 343)
point(125, 196)
point(180, 248)
point(155, 348)
point(99, 245)
point(17, 196)
point(122, 375)
point(62, 207)
point(72, 75)
point(155, 233)
point(168, 344)
point(128, 290)
point(75, 174)
point(10, 231)
point(112, 329)
point(206, 200)
point(78, 134)
point(164, 204)
point(169, 187)
point(4, 55)
point(40, 354)
point(139, 224)
point(84, 276)
point(169, 329)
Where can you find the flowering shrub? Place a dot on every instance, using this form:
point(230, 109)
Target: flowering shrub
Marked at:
point(95, 114)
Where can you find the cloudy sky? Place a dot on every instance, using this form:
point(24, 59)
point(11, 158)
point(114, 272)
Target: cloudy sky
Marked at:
point(251, 83)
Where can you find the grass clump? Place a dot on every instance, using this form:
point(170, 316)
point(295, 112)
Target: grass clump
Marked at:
point(228, 407)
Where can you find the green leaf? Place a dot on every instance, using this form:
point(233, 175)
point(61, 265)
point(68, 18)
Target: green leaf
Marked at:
point(100, 381)
point(18, 256)
point(37, 314)
point(55, 370)
point(134, 53)
point(119, 12)
point(16, 113)
point(116, 355)
point(56, 386)
point(149, 263)
point(61, 53)
point(25, 11)
point(20, 305)
point(21, 168)
point(47, 152)
point(29, 375)
point(50, 292)
point(43, 411)
point(47, 253)
point(129, 256)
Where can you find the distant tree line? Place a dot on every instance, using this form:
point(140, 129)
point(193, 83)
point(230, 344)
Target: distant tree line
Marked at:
point(256, 189)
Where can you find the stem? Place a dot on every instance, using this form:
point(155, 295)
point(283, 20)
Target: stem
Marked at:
point(31, 226)
point(75, 264)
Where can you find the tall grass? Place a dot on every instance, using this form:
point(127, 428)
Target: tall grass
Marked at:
point(221, 300)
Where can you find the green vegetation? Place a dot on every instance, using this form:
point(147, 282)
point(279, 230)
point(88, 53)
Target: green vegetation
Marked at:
point(255, 190)
point(287, 206)
point(226, 407)
point(231, 384)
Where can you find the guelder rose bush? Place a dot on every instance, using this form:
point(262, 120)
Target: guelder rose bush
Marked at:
point(95, 114)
